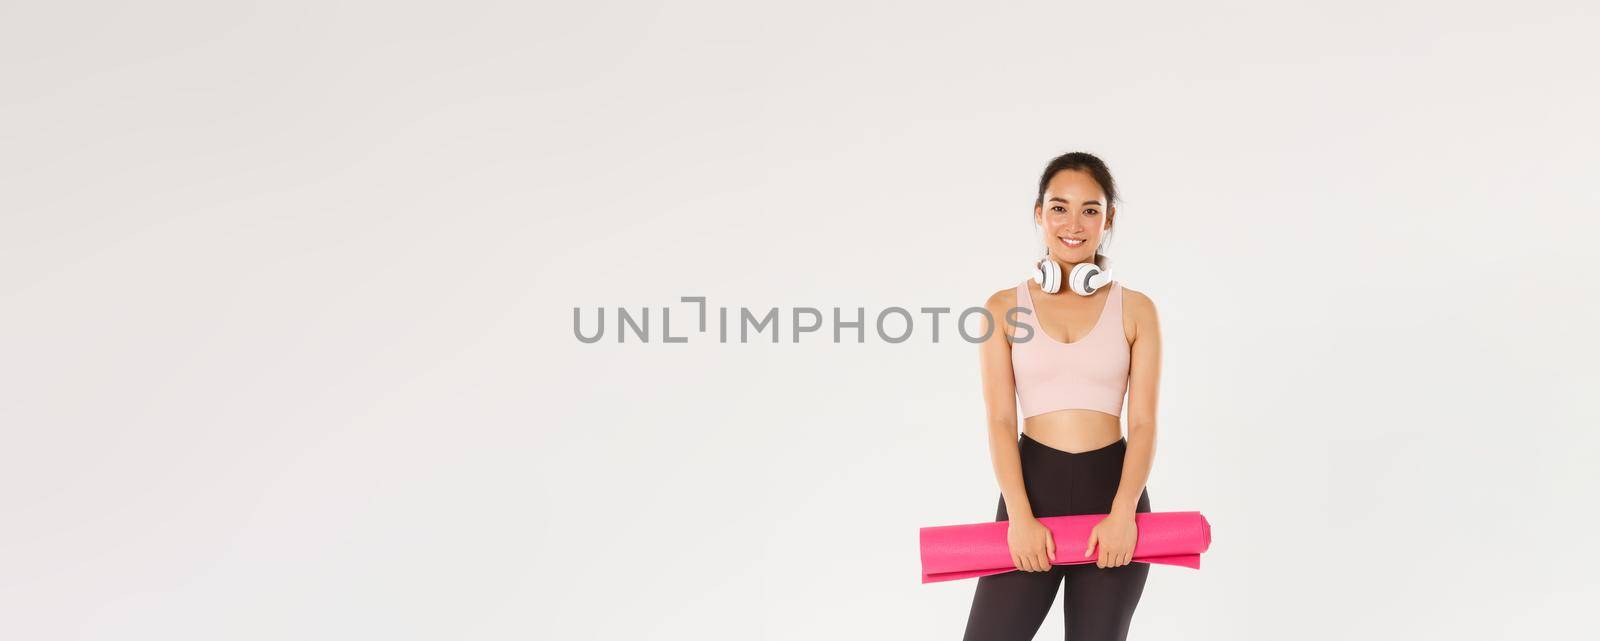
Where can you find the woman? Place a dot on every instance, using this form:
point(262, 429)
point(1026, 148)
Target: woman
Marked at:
point(1069, 358)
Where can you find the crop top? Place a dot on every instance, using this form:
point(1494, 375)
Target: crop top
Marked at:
point(1089, 373)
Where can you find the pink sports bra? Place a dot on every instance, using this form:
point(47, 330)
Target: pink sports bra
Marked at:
point(1089, 373)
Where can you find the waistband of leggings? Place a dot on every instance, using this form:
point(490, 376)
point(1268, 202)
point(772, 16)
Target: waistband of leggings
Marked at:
point(1117, 448)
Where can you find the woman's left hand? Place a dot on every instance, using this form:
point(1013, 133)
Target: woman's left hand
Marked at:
point(1116, 535)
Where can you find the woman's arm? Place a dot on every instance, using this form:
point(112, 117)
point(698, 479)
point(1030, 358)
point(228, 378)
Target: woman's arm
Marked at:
point(1144, 377)
point(1000, 403)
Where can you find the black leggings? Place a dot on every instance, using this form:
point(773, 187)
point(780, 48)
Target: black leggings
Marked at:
point(1099, 602)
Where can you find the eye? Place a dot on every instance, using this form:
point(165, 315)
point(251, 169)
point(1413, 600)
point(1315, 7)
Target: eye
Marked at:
point(1091, 212)
point(1057, 208)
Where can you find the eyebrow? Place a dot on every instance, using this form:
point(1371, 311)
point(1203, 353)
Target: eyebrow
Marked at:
point(1086, 202)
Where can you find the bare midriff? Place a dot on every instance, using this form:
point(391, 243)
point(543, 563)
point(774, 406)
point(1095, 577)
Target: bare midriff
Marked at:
point(1074, 430)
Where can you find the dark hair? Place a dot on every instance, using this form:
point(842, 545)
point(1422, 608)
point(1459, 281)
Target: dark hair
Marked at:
point(1089, 164)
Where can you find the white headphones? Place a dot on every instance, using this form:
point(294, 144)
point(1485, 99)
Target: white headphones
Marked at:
point(1084, 279)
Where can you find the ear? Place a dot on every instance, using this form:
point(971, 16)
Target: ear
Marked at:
point(1038, 215)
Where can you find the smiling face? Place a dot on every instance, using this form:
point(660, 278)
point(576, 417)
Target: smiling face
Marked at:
point(1073, 217)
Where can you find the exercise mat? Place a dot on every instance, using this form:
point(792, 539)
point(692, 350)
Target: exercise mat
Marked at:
point(951, 552)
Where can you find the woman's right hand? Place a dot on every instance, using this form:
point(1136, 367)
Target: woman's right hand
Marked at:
point(1033, 549)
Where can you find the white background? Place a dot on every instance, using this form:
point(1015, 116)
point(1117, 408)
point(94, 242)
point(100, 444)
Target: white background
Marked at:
point(288, 296)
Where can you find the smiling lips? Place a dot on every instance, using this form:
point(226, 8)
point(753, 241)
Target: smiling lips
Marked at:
point(1070, 242)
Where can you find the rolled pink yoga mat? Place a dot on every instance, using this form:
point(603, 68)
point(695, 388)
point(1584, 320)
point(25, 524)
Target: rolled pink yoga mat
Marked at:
point(951, 552)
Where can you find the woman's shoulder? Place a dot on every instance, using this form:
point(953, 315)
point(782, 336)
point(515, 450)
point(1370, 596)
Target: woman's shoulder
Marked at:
point(1134, 296)
point(1137, 303)
point(1002, 299)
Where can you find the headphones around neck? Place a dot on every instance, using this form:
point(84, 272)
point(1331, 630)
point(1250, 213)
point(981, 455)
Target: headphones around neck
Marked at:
point(1085, 278)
